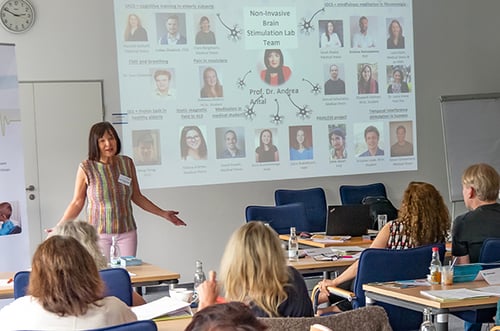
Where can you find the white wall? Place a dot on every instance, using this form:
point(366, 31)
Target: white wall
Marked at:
point(456, 52)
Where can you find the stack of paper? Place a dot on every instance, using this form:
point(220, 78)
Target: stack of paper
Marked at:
point(165, 308)
point(455, 294)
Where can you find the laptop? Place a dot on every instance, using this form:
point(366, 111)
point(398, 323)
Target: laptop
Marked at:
point(348, 220)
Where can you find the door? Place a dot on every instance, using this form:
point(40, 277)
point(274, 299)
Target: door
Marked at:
point(56, 118)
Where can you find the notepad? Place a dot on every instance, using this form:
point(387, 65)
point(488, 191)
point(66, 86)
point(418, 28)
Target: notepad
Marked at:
point(455, 294)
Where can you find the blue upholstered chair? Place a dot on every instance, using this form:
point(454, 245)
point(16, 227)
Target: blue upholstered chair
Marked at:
point(147, 325)
point(117, 281)
point(354, 194)
point(280, 218)
point(490, 252)
point(314, 201)
point(405, 264)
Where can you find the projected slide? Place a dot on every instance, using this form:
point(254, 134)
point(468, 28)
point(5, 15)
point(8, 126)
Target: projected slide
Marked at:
point(236, 91)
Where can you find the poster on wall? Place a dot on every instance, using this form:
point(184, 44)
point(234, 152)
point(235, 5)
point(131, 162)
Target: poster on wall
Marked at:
point(14, 239)
point(226, 91)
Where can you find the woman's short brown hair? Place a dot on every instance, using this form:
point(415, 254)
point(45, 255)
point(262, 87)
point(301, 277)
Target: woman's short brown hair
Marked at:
point(64, 277)
point(97, 131)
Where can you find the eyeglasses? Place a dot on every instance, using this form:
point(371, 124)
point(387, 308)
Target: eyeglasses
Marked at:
point(193, 137)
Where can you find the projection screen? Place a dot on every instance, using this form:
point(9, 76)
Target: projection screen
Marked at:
point(237, 91)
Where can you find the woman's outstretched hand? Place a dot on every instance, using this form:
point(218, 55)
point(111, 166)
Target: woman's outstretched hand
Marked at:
point(171, 215)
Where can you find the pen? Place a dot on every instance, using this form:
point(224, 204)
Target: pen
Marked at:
point(346, 256)
point(10, 280)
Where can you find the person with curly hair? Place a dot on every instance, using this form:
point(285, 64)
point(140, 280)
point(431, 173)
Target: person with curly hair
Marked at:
point(254, 271)
point(423, 219)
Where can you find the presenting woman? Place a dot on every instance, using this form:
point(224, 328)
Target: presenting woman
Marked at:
point(367, 84)
point(65, 292)
point(423, 219)
point(211, 85)
point(276, 73)
point(109, 182)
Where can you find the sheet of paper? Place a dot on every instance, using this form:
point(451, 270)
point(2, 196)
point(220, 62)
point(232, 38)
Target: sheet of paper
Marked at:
point(455, 294)
point(6, 282)
point(163, 306)
point(491, 290)
point(350, 250)
point(491, 276)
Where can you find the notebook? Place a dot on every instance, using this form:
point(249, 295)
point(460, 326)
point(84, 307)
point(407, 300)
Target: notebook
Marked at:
point(350, 220)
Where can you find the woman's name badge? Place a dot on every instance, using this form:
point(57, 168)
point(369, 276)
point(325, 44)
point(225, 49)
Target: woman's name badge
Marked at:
point(124, 180)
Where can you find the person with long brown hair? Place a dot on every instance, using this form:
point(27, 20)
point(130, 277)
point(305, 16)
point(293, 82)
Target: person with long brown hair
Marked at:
point(65, 292)
point(423, 219)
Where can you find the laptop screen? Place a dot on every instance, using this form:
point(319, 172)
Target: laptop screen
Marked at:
point(348, 220)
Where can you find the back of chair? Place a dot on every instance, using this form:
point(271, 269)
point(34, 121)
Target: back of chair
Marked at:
point(21, 281)
point(314, 200)
point(490, 251)
point(280, 218)
point(354, 194)
point(405, 264)
point(118, 284)
point(147, 325)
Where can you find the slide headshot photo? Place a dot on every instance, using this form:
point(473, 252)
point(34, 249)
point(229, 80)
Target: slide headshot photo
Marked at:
point(146, 147)
point(134, 31)
point(301, 144)
point(336, 137)
point(367, 78)
point(363, 31)
point(276, 72)
point(334, 84)
point(211, 86)
point(401, 137)
point(163, 82)
point(395, 37)
point(193, 144)
point(171, 28)
point(331, 33)
point(205, 35)
point(230, 142)
point(398, 78)
point(266, 150)
point(368, 139)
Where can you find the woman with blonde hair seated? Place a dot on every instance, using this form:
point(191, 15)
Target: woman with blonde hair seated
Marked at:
point(254, 271)
point(87, 235)
point(65, 292)
point(423, 219)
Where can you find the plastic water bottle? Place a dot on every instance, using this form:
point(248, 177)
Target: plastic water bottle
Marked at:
point(293, 246)
point(427, 324)
point(114, 253)
point(435, 267)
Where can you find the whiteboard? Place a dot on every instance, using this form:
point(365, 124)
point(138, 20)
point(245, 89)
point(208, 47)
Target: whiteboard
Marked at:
point(471, 128)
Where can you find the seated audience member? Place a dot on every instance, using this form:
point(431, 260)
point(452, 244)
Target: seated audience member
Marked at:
point(254, 271)
point(233, 316)
point(87, 235)
point(65, 292)
point(423, 219)
point(480, 186)
point(6, 224)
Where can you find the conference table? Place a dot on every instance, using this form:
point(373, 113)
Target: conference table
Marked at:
point(412, 299)
point(145, 274)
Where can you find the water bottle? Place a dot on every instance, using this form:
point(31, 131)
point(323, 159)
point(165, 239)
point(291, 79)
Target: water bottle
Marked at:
point(199, 275)
point(114, 253)
point(427, 324)
point(293, 246)
point(435, 267)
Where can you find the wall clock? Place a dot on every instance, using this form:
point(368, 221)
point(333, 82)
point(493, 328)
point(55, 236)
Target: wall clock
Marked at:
point(17, 16)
